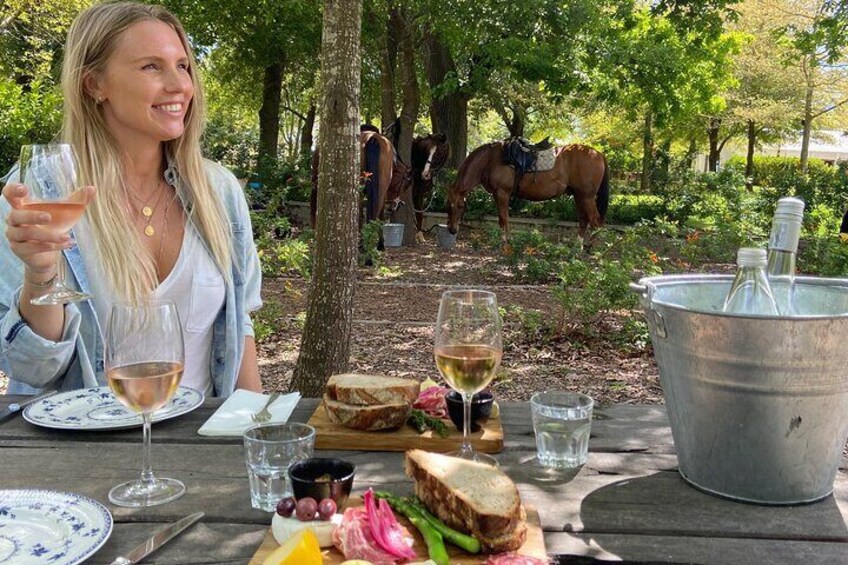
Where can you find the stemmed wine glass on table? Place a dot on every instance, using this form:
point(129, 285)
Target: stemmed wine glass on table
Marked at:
point(144, 365)
point(468, 350)
point(50, 174)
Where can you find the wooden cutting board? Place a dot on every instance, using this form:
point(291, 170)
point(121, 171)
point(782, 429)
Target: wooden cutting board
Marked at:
point(534, 546)
point(329, 435)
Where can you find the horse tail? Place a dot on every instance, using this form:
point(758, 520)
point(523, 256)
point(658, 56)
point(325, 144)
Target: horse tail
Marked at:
point(372, 182)
point(602, 198)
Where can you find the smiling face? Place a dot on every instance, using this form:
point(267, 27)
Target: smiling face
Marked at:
point(146, 88)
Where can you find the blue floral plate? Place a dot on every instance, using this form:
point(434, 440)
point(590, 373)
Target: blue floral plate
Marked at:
point(99, 409)
point(42, 526)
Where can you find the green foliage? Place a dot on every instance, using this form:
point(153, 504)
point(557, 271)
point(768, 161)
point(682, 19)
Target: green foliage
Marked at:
point(27, 115)
point(233, 147)
point(267, 320)
point(822, 183)
point(279, 253)
point(592, 285)
point(369, 254)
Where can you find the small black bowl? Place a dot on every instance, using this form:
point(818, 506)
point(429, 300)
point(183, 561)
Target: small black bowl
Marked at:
point(481, 408)
point(305, 474)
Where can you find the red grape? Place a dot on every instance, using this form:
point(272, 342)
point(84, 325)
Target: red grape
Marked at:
point(307, 508)
point(326, 508)
point(286, 506)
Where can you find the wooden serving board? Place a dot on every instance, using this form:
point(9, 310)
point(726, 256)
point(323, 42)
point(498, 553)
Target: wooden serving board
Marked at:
point(329, 435)
point(534, 546)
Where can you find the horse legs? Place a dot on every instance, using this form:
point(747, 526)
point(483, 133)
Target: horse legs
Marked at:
point(502, 199)
point(590, 219)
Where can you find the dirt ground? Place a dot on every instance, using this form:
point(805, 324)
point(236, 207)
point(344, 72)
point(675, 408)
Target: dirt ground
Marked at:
point(395, 311)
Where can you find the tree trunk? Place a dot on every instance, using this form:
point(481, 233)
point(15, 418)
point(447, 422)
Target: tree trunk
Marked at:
point(749, 158)
point(647, 152)
point(448, 112)
point(269, 114)
point(715, 152)
point(808, 126)
point(306, 136)
point(325, 346)
point(408, 118)
point(388, 66)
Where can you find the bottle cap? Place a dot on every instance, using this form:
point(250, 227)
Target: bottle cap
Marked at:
point(751, 257)
point(789, 208)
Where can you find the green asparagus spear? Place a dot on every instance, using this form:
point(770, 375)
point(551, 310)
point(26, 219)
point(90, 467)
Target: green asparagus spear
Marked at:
point(466, 542)
point(435, 545)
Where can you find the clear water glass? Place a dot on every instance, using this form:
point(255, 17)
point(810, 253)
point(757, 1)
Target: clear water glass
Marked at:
point(269, 451)
point(562, 422)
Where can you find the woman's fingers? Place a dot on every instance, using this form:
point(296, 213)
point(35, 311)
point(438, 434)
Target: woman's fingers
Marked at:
point(30, 232)
point(15, 193)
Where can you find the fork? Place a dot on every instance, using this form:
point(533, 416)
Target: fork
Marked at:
point(264, 415)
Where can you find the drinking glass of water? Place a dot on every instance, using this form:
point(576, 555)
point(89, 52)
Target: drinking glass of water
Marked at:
point(269, 451)
point(561, 422)
point(144, 365)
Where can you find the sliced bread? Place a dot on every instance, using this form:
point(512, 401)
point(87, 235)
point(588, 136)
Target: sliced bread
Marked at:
point(475, 498)
point(372, 390)
point(367, 418)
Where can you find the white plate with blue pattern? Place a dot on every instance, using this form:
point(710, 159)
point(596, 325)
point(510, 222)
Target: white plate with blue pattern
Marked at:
point(94, 409)
point(47, 527)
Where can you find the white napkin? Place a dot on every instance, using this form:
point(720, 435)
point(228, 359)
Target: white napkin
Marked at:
point(234, 415)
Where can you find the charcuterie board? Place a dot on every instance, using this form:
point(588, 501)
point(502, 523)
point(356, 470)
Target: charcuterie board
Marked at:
point(329, 435)
point(534, 546)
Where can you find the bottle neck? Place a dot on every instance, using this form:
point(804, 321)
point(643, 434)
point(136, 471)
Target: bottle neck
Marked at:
point(781, 263)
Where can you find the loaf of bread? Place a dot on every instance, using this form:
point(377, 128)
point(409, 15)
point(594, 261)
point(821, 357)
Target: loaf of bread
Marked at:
point(367, 418)
point(472, 497)
point(372, 390)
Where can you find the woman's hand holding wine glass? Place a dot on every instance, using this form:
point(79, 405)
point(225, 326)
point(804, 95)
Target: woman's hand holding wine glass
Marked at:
point(44, 208)
point(468, 351)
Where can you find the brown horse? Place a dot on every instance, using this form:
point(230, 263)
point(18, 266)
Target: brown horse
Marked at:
point(429, 155)
point(578, 170)
point(385, 176)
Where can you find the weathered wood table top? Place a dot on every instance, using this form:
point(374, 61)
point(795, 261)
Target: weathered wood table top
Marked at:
point(628, 503)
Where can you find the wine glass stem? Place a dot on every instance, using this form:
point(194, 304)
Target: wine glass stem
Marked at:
point(146, 470)
point(466, 423)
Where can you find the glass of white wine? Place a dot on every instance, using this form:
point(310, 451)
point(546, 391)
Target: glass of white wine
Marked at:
point(50, 174)
point(468, 351)
point(144, 365)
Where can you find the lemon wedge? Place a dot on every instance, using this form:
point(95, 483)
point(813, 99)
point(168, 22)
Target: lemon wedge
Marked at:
point(301, 549)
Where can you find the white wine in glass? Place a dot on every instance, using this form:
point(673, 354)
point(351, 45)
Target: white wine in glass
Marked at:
point(144, 365)
point(468, 351)
point(50, 174)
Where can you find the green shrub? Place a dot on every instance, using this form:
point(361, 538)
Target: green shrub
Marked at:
point(267, 320)
point(369, 255)
point(31, 115)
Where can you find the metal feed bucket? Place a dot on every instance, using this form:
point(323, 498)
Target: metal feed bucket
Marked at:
point(393, 235)
point(758, 405)
point(444, 237)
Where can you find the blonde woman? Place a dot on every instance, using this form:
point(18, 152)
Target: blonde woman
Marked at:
point(164, 223)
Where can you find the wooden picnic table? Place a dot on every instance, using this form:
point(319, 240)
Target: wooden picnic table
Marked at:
point(627, 503)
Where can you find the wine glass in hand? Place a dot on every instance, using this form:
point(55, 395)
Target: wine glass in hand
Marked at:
point(144, 365)
point(468, 351)
point(50, 174)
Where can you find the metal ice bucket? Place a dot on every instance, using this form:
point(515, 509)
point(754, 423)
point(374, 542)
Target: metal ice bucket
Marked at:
point(758, 405)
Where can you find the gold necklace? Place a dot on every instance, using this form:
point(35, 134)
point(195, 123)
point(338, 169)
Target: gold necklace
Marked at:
point(148, 212)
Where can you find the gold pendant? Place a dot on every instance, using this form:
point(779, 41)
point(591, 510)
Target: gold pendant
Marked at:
point(146, 211)
point(149, 231)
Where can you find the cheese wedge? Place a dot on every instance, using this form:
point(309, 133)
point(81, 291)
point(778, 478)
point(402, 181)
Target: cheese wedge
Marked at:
point(285, 528)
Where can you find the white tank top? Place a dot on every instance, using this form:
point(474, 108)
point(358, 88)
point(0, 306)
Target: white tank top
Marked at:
point(196, 287)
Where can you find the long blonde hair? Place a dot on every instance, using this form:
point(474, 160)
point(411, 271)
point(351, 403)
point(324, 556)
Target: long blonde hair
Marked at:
point(131, 271)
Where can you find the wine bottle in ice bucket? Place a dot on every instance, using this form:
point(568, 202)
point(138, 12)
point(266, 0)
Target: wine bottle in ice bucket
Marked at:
point(782, 251)
point(750, 292)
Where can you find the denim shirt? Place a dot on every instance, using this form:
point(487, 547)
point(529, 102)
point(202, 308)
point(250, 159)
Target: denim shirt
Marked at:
point(33, 363)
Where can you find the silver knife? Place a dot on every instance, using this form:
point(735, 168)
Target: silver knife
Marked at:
point(157, 540)
point(16, 407)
